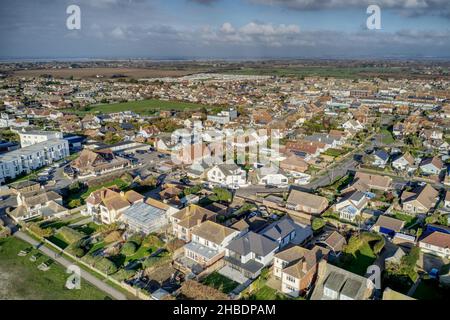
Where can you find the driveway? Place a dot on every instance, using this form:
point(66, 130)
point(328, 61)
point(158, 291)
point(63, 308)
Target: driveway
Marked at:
point(66, 263)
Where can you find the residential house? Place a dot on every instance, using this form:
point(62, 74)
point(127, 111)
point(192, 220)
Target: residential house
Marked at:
point(94, 163)
point(306, 202)
point(404, 162)
point(380, 158)
point(372, 181)
point(282, 231)
point(294, 165)
point(437, 243)
point(108, 204)
point(209, 240)
point(270, 177)
point(419, 200)
point(250, 253)
point(334, 283)
point(353, 126)
point(228, 175)
point(388, 226)
point(184, 221)
point(432, 166)
point(37, 203)
point(334, 242)
point(297, 267)
point(351, 205)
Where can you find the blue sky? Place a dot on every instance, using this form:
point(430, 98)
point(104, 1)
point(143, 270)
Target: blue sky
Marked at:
point(224, 29)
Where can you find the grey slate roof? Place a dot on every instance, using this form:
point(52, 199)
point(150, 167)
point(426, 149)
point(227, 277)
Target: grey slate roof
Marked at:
point(280, 229)
point(252, 242)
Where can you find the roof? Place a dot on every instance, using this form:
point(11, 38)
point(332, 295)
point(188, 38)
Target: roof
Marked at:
point(342, 281)
point(438, 239)
point(307, 199)
point(389, 294)
point(424, 195)
point(382, 155)
point(192, 216)
point(279, 229)
point(157, 204)
point(252, 243)
point(374, 180)
point(390, 223)
point(240, 225)
point(335, 241)
point(213, 232)
point(144, 214)
point(435, 161)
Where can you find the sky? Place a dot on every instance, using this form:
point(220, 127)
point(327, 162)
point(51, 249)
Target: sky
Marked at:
point(225, 29)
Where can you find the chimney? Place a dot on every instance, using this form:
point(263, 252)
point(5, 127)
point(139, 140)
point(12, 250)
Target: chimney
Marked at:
point(304, 266)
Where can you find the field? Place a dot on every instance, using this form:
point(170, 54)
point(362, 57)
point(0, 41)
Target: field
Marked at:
point(148, 107)
point(322, 71)
point(85, 73)
point(20, 279)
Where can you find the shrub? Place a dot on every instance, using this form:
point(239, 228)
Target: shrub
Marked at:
point(70, 235)
point(318, 224)
point(35, 228)
point(124, 274)
point(129, 248)
point(113, 237)
point(136, 238)
point(75, 203)
point(106, 266)
point(379, 246)
point(153, 241)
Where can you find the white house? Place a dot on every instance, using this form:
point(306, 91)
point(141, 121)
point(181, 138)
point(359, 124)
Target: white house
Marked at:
point(432, 166)
point(250, 253)
point(353, 125)
point(404, 162)
point(228, 175)
point(352, 205)
point(437, 243)
point(266, 176)
point(208, 244)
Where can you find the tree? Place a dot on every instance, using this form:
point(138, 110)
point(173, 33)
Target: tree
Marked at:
point(317, 224)
point(129, 248)
point(75, 203)
point(221, 194)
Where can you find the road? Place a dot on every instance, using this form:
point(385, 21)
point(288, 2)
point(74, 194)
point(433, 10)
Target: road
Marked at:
point(66, 263)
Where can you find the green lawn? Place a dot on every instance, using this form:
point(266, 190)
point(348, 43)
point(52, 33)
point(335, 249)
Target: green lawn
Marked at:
point(409, 220)
point(387, 137)
point(22, 280)
point(360, 261)
point(266, 293)
point(220, 282)
point(58, 240)
point(334, 152)
point(143, 251)
point(88, 229)
point(149, 106)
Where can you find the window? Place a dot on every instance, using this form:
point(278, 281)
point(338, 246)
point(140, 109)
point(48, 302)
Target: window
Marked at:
point(290, 278)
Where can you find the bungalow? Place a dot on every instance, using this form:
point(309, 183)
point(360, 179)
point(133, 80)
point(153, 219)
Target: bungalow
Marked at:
point(229, 175)
point(353, 125)
point(306, 202)
point(294, 165)
point(432, 166)
point(184, 221)
point(208, 244)
point(92, 163)
point(381, 158)
point(296, 267)
point(250, 253)
point(388, 226)
point(404, 162)
point(420, 200)
point(334, 283)
point(271, 177)
point(437, 243)
point(352, 205)
point(334, 242)
point(373, 181)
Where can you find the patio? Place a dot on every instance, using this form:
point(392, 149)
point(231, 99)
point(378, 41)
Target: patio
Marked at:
point(232, 274)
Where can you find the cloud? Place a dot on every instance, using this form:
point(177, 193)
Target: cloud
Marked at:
point(405, 7)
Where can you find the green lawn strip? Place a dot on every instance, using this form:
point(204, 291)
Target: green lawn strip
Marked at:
point(26, 281)
point(142, 252)
point(334, 152)
point(58, 240)
point(409, 220)
point(220, 282)
point(266, 293)
point(88, 229)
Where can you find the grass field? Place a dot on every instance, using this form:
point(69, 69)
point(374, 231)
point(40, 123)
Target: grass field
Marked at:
point(320, 71)
point(145, 107)
point(387, 137)
point(220, 282)
point(20, 278)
